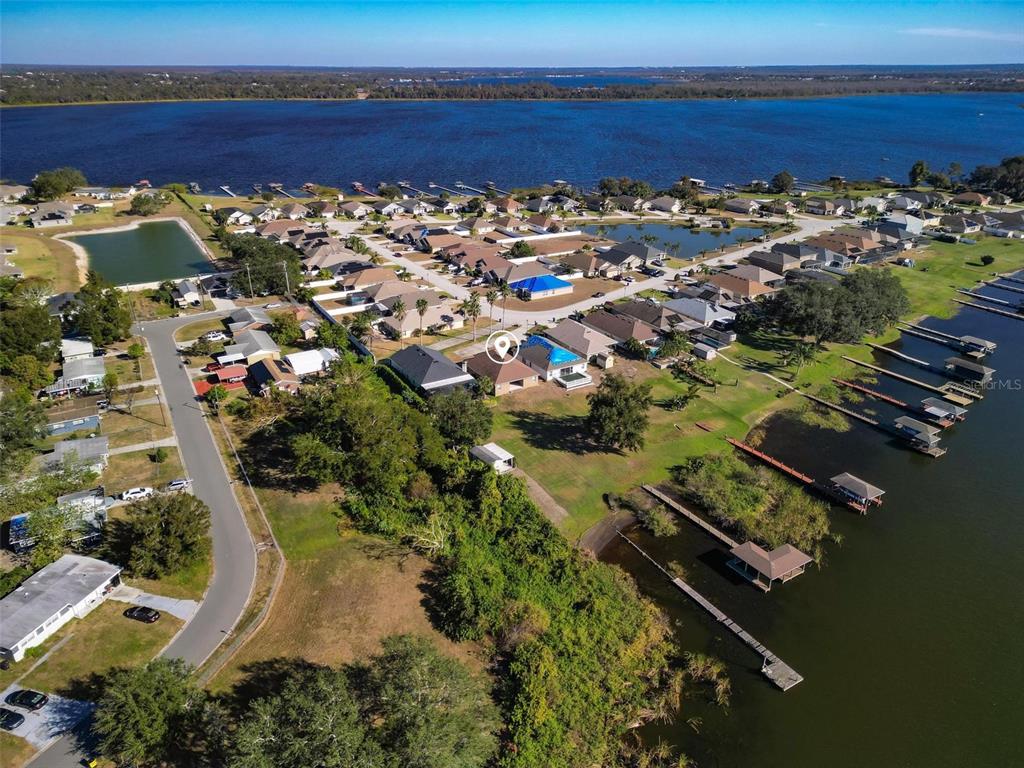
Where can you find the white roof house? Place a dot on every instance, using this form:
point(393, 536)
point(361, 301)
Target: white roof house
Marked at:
point(66, 589)
point(92, 452)
point(704, 312)
point(75, 349)
point(311, 361)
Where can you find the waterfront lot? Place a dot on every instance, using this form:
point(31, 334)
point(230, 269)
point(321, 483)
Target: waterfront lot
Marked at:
point(42, 257)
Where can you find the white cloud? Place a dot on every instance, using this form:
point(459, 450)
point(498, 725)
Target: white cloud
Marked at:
point(964, 33)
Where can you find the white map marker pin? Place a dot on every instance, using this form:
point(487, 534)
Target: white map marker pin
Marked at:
point(501, 345)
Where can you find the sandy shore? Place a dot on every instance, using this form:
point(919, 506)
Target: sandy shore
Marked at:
point(82, 256)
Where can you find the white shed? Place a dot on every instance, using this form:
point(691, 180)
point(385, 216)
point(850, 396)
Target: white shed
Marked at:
point(496, 457)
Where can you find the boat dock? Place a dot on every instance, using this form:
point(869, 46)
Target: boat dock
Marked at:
point(993, 310)
point(280, 190)
point(227, 191)
point(772, 667)
point(995, 284)
point(989, 299)
point(942, 422)
point(949, 391)
point(700, 522)
point(827, 491)
point(1011, 279)
point(904, 357)
point(971, 346)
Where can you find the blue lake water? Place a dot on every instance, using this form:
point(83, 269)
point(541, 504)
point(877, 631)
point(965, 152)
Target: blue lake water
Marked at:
point(513, 143)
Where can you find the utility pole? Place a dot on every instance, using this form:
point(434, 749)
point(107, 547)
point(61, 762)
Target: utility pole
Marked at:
point(287, 284)
point(252, 293)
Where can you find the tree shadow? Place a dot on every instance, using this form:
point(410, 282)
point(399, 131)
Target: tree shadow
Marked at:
point(268, 460)
point(433, 602)
point(382, 549)
point(264, 678)
point(558, 433)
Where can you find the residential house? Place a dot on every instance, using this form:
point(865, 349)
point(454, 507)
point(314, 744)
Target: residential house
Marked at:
point(55, 214)
point(509, 224)
point(438, 316)
point(779, 207)
point(904, 203)
point(355, 210)
point(12, 193)
point(428, 370)
point(79, 375)
point(542, 224)
point(64, 590)
point(477, 224)
point(332, 256)
point(295, 211)
point(658, 316)
point(565, 203)
point(76, 349)
point(61, 304)
point(324, 209)
point(505, 378)
point(311, 362)
point(90, 452)
point(704, 312)
point(592, 263)
point(265, 213)
point(442, 205)
point(823, 207)
point(388, 208)
point(735, 288)
point(541, 287)
point(870, 203)
point(971, 198)
point(248, 347)
point(777, 260)
point(269, 374)
point(282, 230)
point(554, 363)
point(666, 204)
point(540, 204)
point(515, 272)
point(960, 225)
point(415, 207)
point(629, 203)
point(231, 216)
point(244, 318)
point(621, 328)
point(757, 274)
point(598, 203)
point(631, 255)
point(364, 278)
point(432, 243)
point(927, 199)
point(587, 342)
point(85, 515)
point(741, 205)
point(186, 293)
point(507, 205)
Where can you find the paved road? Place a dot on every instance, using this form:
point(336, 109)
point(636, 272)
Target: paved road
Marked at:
point(234, 554)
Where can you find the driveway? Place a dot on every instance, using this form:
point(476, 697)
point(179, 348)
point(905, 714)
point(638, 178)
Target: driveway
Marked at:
point(183, 609)
point(46, 726)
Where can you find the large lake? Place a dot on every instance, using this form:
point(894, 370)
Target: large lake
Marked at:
point(513, 143)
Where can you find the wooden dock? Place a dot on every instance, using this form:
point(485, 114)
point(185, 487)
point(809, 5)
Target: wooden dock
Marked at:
point(1011, 279)
point(932, 451)
point(700, 522)
point(993, 310)
point(989, 299)
point(944, 339)
point(917, 410)
point(1010, 288)
point(903, 356)
point(958, 398)
point(772, 667)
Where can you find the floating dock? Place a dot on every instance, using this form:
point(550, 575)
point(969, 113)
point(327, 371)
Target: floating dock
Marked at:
point(949, 391)
point(1015, 315)
point(772, 667)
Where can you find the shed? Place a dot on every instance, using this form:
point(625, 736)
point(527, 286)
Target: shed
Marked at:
point(705, 351)
point(494, 456)
point(763, 568)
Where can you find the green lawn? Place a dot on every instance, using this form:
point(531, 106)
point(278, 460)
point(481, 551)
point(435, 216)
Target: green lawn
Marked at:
point(194, 330)
point(132, 470)
point(144, 424)
point(14, 752)
point(102, 640)
point(41, 256)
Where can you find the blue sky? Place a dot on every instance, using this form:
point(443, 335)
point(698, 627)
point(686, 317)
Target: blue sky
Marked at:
point(517, 33)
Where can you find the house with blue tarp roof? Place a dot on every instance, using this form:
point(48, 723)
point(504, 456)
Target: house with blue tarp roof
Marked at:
point(554, 363)
point(541, 286)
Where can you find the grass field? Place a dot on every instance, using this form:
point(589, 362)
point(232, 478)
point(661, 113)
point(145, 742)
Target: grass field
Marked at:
point(144, 424)
point(102, 640)
point(41, 256)
point(132, 470)
point(341, 594)
point(193, 331)
point(14, 752)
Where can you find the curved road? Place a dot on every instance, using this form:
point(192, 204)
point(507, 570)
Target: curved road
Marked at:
point(234, 554)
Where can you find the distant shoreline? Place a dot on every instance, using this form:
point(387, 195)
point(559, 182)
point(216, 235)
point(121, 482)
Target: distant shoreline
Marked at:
point(582, 100)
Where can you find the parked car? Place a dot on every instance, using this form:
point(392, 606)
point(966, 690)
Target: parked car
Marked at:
point(273, 305)
point(27, 699)
point(136, 493)
point(99, 352)
point(600, 295)
point(211, 367)
point(214, 336)
point(140, 613)
point(102, 405)
point(181, 484)
point(657, 273)
point(9, 719)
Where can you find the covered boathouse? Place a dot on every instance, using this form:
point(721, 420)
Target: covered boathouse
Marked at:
point(858, 491)
point(763, 568)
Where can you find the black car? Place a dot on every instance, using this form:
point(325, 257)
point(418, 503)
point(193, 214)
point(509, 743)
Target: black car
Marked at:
point(9, 719)
point(26, 699)
point(146, 615)
point(599, 295)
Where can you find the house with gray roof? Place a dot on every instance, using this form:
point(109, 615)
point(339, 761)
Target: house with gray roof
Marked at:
point(250, 346)
point(64, 590)
point(704, 312)
point(92, 452)
point(428, 370)
point(589, 343)
point(248, 317)
point(78, 375)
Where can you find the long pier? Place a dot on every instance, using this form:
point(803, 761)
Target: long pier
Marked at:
point(696, 520)
point(958, 397)
point(228, 192)
point(995, 284)
point(1011, 279)
point(934, 452)
point(989, 299)
point(772, 667)
point(799, 476)
point(944, 339)
point(993, 310)
point(944, 423)
point(903, 356)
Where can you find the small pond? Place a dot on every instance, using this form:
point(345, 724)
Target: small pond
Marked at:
point(676, 240)
point(155, 250)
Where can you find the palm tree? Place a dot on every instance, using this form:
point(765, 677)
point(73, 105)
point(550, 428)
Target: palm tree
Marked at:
point(362, 329)
point(492, 296)
point(398, 310)
point(800, 354)
point(471, 308)
point(421, 310)
point(505, 292)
